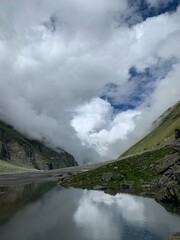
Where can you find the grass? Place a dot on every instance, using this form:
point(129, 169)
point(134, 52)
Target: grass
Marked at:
point(161, 135)
point(137, 168)
point(6, 167)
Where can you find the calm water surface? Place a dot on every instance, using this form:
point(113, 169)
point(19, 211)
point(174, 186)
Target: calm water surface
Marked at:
point(44, 212)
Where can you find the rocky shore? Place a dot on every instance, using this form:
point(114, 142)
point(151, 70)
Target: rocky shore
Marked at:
point(169, 183)
point(154, 173)
point(176, 236)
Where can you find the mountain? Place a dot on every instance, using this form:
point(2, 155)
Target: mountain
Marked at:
point(162, 134)
point(16, 149)
point(149, 168)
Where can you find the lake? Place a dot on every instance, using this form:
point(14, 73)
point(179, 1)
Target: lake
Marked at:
point(45, 211)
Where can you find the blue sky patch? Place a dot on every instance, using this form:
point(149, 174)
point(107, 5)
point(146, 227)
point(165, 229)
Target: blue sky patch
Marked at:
point(141, 84)
point(142, 10)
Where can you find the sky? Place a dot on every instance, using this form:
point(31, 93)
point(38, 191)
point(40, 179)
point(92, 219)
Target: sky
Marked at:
point(88, 76)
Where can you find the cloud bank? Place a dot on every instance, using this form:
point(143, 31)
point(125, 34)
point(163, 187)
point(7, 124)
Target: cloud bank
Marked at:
point(58, 59)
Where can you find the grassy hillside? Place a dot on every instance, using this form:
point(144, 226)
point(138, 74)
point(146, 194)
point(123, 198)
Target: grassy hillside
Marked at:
point(161, 135)
point(138, 169)
point(9, 167)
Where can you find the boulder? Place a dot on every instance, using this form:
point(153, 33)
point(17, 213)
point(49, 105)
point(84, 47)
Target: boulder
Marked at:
point(176, 146)
point(171, 192)
point(99, 187)
point(107, 176)
point(168, 172)
point(126, 185)
point(117, 176)
point(177, 176)
point(165, 163)
point(177, 133)
point(115, 168)
point(62, 177)
point(146, 186)
point(175, 167)
point(164, 180)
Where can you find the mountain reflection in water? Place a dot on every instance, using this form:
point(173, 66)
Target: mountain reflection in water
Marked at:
point(70, 214)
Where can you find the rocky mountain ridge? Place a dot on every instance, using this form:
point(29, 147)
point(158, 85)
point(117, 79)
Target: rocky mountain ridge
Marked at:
point(18, 150)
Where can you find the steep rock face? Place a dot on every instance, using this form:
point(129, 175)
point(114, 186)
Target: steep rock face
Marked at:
point(15, 148)
point(169, 183)
point(55, 159)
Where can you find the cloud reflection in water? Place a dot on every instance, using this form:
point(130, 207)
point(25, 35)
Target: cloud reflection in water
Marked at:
point(104, 216)
point(73, 214)
point(98, 213)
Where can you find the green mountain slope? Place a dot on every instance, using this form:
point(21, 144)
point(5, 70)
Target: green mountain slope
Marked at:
point(162, 134)
point(16, 150)
point(151, 167)
point(9, 167)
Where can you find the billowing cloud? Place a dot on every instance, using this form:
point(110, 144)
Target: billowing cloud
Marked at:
point(88, 209)
point(57, 59)
point(98, 127)
point(111, 213)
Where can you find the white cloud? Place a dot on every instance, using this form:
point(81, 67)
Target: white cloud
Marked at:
point(98, 127)
point(52, 80)
point(92, 219)
point(110, 213)
point(169, 47)
point(170, 86)
point(89, 208)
